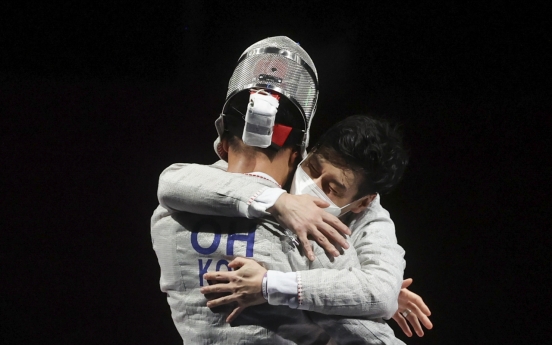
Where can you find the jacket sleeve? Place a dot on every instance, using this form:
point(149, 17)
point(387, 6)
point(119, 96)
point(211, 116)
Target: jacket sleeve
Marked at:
point(368, 287)
point(208, 190)
point(347, 330)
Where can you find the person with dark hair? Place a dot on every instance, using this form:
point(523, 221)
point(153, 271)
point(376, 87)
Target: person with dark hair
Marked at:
point(354, 161)
point(193, 250)
point(372, 149)
point(357, 159)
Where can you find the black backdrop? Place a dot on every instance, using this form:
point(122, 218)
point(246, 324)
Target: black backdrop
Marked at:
point(96, 100)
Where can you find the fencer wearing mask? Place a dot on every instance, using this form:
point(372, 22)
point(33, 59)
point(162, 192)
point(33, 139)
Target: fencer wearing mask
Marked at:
point(348, 277)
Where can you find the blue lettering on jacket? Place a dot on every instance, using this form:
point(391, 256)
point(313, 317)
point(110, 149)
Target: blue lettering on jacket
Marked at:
point(203, 269)
point(222, 262)
point(210, 226)
point(249, 238)
point(216, 241)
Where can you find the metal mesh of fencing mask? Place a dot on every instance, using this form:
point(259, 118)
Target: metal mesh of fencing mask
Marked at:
point(279, 64)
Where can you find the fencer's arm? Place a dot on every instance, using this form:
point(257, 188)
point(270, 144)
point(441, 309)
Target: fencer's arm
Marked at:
point(370, 290)
point(210, 190)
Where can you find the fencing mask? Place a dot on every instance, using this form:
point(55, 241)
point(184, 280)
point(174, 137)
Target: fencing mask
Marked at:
point(269, 72)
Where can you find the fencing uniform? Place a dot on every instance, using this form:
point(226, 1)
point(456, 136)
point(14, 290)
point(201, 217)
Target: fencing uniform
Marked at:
point(272, 72)
point(363, 282)
point(189, 245)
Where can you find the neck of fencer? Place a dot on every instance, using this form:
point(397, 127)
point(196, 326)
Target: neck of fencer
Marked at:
point(278, 168)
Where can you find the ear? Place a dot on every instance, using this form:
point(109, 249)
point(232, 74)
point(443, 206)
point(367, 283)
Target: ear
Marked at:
point(292, 161)
point(363, 203)
point(224, 144)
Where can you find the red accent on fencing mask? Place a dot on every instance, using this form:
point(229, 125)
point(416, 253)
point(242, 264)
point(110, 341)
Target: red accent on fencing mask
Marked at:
point(280, 134)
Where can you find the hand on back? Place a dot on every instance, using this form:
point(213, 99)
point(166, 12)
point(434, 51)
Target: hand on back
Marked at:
point(305, 216)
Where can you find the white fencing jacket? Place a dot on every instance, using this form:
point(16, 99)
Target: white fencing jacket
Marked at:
point(364, 282)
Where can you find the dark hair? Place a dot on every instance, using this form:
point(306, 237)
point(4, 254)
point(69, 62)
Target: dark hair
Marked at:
point(368, 146)
point(235, 109)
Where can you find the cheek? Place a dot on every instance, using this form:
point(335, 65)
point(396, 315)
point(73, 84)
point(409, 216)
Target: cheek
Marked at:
point(340, 201)
point(320, 183)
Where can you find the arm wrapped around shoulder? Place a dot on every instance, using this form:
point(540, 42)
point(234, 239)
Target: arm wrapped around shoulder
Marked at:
point(208, 190)
point(369, 287)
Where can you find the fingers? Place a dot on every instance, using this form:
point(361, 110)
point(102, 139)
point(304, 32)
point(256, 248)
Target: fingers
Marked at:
point(237, 311)
point(216, 288)
point(218, 276)
point(402, 324)
point(237, 262)
point(330, 219)
point(419, 311)
point(324, 243)
point(406, 283)
point(423, 307)
point(413, 319)
point(332, 235)
point(425, 321)
point(335, 223)
point(416, 300)
point(320, 203)
point(307, 247)
point(417, 316)
point(221, 301)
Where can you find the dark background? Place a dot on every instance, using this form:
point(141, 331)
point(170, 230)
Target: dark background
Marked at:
point(96, 100)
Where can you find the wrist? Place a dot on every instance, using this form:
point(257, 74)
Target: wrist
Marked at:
point(274, 210)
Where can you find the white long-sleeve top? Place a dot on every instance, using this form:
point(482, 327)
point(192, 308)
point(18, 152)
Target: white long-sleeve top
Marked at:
point(364, 281)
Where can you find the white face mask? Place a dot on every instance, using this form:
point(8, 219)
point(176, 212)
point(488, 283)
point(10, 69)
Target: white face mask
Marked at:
point(303, 184)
